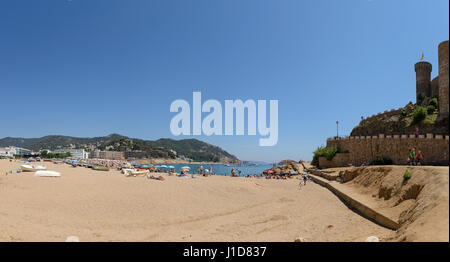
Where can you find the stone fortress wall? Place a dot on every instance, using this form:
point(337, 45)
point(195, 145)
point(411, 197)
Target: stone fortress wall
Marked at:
point(388, 113)
point(357, 150)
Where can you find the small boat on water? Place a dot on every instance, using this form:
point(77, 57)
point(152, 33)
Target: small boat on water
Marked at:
point(32, 168)
point(46, 173)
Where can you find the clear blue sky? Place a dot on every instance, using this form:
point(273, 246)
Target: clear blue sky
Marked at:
point(94, 67)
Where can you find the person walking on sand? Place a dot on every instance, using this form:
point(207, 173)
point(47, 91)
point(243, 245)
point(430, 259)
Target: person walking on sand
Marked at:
point(305, 177)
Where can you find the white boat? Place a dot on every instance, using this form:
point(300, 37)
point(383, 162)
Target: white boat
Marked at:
point(46, 173)
point(130, 172)
point(126, 170)
point(32, 168)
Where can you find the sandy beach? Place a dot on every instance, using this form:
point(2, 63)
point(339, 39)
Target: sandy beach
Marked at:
point(107, 206)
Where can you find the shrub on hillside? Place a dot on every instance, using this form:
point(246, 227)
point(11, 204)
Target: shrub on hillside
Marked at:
point(327, 152)
point(433, 102)
point(431, 109)
point(419, 114)
point(407, 175)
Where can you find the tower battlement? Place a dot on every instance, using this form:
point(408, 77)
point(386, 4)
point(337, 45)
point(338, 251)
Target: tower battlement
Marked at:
point(439, 86)
point(423, 79)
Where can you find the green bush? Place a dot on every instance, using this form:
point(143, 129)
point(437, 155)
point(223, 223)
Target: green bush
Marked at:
point(419, 114)
point(403, 112)
point(431, 109)
point(407, 175)
point(433, 102)
point(327, 152)
point(381, 161)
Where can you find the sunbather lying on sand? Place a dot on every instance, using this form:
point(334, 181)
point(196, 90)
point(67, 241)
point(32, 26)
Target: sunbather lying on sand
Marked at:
point(155, 177)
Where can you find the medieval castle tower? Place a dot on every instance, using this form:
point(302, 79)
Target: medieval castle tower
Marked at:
point(439, 86)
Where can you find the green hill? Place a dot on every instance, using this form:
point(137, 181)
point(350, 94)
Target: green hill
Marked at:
point(161, 148)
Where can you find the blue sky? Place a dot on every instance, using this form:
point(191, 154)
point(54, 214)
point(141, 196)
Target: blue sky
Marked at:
point(94, 67)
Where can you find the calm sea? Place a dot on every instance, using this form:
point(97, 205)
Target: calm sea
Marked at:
point(220, 169)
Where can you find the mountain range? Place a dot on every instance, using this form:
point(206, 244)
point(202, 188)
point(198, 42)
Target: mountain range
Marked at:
point(161, 148)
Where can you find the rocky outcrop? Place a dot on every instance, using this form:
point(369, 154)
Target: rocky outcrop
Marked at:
point(286, 169)
point(398, 122)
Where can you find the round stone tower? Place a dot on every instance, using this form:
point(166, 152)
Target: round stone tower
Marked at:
point(443, 77)
point(423, 79)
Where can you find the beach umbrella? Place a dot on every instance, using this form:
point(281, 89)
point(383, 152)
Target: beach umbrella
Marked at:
point(293, 173)
point(185, 167)
point(163, 166)
point(171, 167)
point(270, 171)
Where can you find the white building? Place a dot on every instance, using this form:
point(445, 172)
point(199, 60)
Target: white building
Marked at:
point(75, 153)
point(6, 152)
point(11, 151)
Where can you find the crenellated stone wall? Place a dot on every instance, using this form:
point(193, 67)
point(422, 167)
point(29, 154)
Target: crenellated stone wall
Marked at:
point(340, 159)
point(386, 113)
point(361, 149)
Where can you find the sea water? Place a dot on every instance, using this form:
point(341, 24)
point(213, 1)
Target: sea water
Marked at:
point(221, 169)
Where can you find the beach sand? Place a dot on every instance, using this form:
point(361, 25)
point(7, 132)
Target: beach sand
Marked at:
point(107, 206)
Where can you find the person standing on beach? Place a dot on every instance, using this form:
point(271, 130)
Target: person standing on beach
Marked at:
point(419, 158)
point(232, 172)
point(239, 172)
point(305, 177)
point(412, 157)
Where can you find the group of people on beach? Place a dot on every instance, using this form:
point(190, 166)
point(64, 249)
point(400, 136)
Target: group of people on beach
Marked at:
point(233, 173)
point(415, 159)
point(206, 171)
